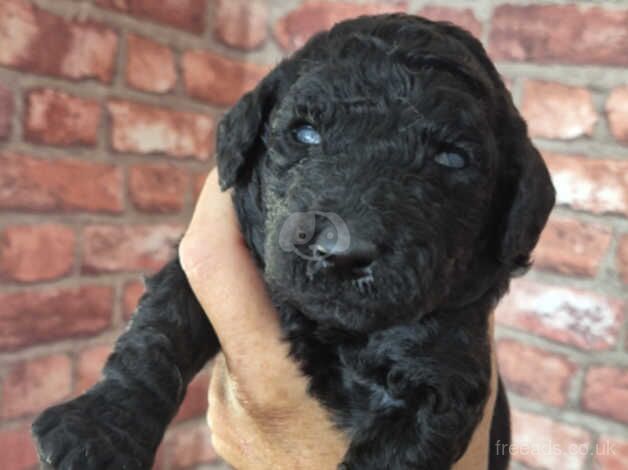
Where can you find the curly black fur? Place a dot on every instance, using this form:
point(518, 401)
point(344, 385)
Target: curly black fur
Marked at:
point(402, 359)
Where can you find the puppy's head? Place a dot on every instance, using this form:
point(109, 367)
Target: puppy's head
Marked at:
point(382, 173)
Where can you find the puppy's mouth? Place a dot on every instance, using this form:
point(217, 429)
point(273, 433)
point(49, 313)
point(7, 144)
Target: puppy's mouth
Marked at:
point(360, 278)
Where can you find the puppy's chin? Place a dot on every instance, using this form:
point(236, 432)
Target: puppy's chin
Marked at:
point(360, 304)
point(346, 312)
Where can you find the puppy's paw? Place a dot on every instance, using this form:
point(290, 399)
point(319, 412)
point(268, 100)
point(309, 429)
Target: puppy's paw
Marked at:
point(85, 434)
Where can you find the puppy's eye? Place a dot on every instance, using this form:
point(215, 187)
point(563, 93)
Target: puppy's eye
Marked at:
point(451, 159)
point(306, 134)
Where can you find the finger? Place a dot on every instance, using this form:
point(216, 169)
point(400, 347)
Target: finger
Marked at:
point(217, 389)
point(218, 418)
point(229, 287)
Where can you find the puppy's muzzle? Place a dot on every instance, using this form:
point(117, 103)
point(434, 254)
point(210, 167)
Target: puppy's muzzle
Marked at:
point(359, 256)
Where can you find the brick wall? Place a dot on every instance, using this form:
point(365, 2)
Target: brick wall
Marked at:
point(107, 117)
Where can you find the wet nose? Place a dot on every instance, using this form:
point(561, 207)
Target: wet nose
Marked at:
point(360, 254)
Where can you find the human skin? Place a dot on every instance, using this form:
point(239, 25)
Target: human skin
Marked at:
point(260, 412)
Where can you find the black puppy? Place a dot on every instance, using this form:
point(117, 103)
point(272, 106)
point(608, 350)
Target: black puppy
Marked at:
point(396, 137)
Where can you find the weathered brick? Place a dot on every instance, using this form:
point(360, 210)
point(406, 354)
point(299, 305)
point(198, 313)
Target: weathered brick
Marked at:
point(519, 368)
point(611, 453)
point(557, 111)
point(183, 14)
point(31, 253)
point(157, 188)
point(89, 366)
point(195, 403)
point(56, 118)
point(18, 449)
point(36, 41)
point(111, 248)
point(31, 385)
point(606, 392)
point(463, 17)
point(189, 445)
point(294, 29)
point(240, 23)
point(617, 111)
point(6, 112)
point(567, 34)
point(540, 442)
point(140, 128)
point(217, 79)
point(580, 318)
point(49, 314)
point(569, 246)
point(150, 66)
point(622, 259)
point(598, 186)
point(133, 290)
point(32, 184)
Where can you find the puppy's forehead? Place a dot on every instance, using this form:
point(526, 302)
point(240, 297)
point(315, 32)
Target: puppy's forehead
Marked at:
point(359, 67)
point(385, 87)
point(383, 45)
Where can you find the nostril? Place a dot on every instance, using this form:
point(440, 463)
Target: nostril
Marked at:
point(320, 252)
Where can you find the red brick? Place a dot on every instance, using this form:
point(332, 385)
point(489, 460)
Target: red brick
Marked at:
point(622, 258)
point(49, 314)
point(56, 118)
point(293, 30)
point(592, 185)
point(219, 80)
point(617, 111)
point(535, 373)
point(195, 403)
point(606, 392)
point(540, 442)
point(580, 318)
point(572, 247)
point(28, 183)
point(111, 248)
point(150, 66)
point(18, 449)
point(140, 128)
point(189, 445)
point(463, 17)
point(6, 112)
point(240, 23)
point(566, 34)
point(182, 14)
point(556, 111)
point(133, 291)
point(611, 453)
point(89, 366)
point(157, 188)
point(31, 253)
point(32, 385)
point(42, 43)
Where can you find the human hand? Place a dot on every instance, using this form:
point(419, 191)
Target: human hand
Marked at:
point(260, 413)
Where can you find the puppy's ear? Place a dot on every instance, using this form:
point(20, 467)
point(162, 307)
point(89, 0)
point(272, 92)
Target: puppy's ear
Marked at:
point(531, 204)
point(239, 136)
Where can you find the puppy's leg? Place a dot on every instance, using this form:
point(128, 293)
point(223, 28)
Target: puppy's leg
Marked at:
point(423, 440)
point(426, 393)
point(118, 423)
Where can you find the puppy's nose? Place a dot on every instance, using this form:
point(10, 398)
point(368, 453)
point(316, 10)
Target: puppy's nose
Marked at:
point(359, 255)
